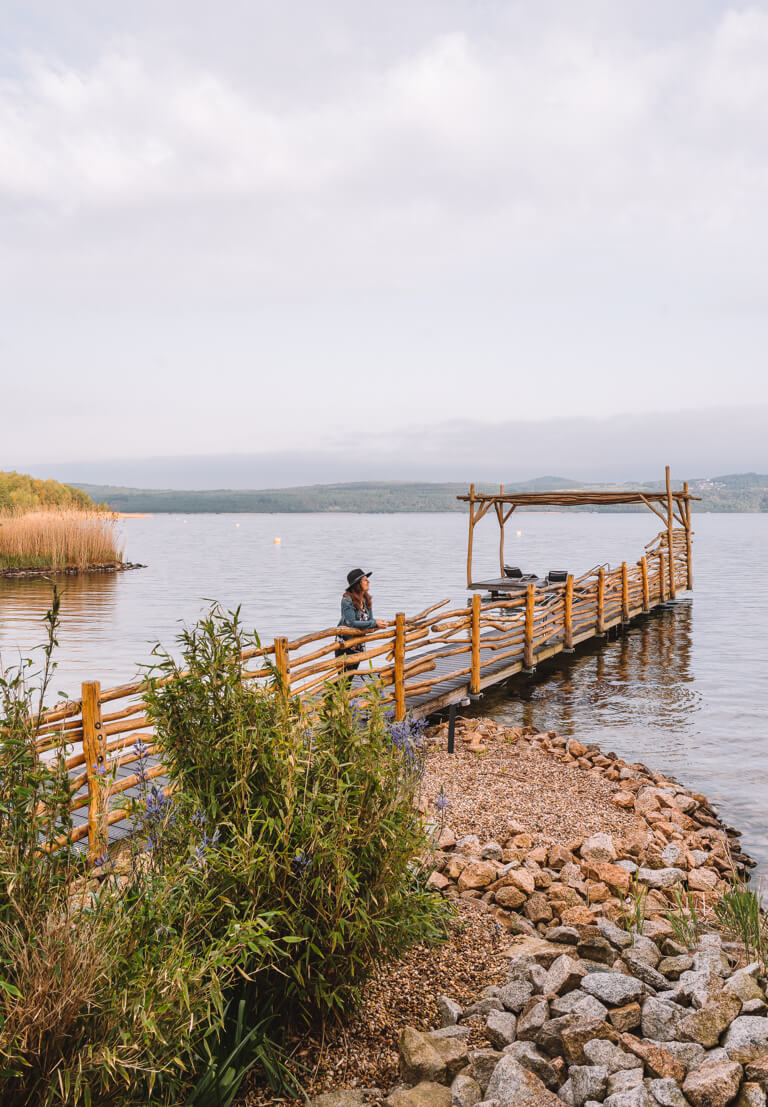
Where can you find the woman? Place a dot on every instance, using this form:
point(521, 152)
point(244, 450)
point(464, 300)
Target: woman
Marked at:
point(357, 612)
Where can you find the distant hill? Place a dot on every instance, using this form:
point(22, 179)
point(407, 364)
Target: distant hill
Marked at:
point(19, 492)
point(737, 492)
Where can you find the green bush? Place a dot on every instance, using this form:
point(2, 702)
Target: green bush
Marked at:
point(315, 813)
point(259, 894)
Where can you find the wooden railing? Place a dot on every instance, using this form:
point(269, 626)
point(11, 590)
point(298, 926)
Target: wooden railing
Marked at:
point(421, 663)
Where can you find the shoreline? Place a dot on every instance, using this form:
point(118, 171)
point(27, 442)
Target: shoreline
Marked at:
point(541, 845)
point(23, 572)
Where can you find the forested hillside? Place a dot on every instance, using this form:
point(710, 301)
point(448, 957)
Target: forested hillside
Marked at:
point(19, 492)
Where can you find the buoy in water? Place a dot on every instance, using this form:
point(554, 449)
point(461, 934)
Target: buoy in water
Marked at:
point(277, 541)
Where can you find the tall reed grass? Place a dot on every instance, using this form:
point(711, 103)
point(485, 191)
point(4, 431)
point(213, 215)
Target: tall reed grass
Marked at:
point(57, 539)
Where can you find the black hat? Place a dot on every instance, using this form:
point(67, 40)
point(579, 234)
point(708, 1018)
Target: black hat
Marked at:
point(355, 576)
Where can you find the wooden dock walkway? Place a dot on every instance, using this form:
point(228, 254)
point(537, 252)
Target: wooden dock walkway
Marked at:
point(422, 664)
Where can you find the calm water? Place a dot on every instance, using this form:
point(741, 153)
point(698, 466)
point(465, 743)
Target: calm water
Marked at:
point(685, 690)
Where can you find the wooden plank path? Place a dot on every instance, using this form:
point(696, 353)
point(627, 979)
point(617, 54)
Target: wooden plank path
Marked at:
point(421, 663)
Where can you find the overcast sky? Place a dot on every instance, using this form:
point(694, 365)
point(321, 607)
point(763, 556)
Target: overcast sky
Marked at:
point(252, 227)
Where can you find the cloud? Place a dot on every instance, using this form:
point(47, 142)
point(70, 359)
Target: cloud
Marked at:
point(554, 123)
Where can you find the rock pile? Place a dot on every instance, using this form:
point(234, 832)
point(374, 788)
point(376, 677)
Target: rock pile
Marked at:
point(592, 1012)
point(647, 1024)
point(679, 845)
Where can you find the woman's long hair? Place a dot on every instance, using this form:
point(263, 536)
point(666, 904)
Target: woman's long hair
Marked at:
point(360, 599)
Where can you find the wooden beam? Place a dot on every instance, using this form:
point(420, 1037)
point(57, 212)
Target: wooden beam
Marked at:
point(624, 593)
point(471, 530)
point(568, 614)
point(670, 535)
point(95, 750)
point(500, 517)
point(688, 547)
point(654, 510)
point(646, 593)
point(399, 667)
point(530, 604)
point(600, 622)
point(282, 663)
point(474, 685)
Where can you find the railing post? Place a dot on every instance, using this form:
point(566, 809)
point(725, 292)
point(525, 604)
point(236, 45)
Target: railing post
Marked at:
point(662, 571)
point(600, 628)
point(530, 604)
point(568, 629)
point(474, 684)
point(282, 663)
point(646, 592)
point(95, 752)
point(399, 667)
point(624, 593)
point(670, 537)
point(471, 533)
point(688, 551)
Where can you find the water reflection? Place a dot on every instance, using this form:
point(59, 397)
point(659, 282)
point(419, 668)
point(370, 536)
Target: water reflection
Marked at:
point(640, 678)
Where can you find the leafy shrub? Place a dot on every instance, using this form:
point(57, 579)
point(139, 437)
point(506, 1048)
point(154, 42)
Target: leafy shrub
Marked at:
point(283, 864)
point(315, 813)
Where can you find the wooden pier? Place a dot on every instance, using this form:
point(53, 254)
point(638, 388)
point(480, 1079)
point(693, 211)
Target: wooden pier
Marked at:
point(422, 663)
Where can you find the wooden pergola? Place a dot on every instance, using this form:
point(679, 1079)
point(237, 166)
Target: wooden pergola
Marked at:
point(670, 506)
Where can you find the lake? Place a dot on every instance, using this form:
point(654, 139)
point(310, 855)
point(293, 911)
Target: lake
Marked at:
point(684, 690)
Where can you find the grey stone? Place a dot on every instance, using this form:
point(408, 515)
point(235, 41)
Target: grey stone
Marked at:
point(538, 977)
point(566, 935)
point(746, 1038)
point(491, 992)
point(348, 1097)
point(501, 1028)
point(534, 1060)
point(633, 1097)
point(564, 975)
point(710, 956)
point(425, 1094)
point(661, 1021)
point(566, 1093)
point(661, 878)
point(666, 1093)
point(675, 965)
point(516, 994)
point(449, 1032)
point(598, 847)
point(751, 1095)
point(602, 1052)
point(587, 1082)
point(754, 1007)
point(716, 1054)
point(449, 1011)
point(491, 851)
point(469, 845)
point(671, 854)
point(613, 988)
point(625, 1079)
point(645, 949)
point(482, 1062)
point(514, 1086)
point(580, 1003)
point(533, 1017)
point(630, 866)
point(619, 939)
point(420, 1059)
point(643, 971)
point(465, 1092)
point(519, 967)
point(743, 984)
point(694, 987)
point(483, 1007)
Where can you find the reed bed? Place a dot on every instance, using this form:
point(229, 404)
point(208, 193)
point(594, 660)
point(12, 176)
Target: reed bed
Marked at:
point(57, 539)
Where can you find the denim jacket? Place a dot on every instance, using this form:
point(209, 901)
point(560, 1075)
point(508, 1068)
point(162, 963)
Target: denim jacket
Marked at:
point(351, 618)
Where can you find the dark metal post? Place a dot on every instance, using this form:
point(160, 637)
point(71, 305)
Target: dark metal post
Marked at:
point(451, 726)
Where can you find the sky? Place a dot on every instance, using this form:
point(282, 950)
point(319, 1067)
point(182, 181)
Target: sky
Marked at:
point(399, 235)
